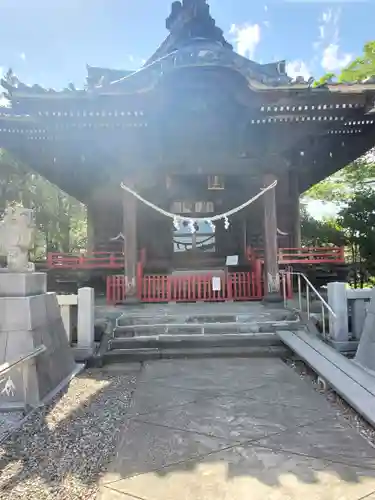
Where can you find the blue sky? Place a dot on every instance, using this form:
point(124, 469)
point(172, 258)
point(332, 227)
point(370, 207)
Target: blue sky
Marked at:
point(50, 42)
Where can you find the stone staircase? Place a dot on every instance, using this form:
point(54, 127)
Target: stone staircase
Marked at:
point(196, 330)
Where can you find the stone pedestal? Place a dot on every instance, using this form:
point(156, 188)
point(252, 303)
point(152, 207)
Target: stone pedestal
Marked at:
point(30, 317)
point(337, 299)
point(85, 324)
point(22, 284)
point(365, 355)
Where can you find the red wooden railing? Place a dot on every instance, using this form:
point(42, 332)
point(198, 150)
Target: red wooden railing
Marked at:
point(189, 288)
point(95, 260)
point(115, 289)
point(115, 260)
point(303, 255)
point(312, 255)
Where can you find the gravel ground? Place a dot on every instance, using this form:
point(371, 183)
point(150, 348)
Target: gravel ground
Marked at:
point(354, 419)
point(61, 450)
point(8, 421)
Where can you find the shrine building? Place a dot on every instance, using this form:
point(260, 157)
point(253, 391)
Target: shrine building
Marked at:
point(197, 131)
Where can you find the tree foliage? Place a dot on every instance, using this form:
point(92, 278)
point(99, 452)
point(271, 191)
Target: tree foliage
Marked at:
point(60, 219)
point(357, 219)
point(320, 232)
point(359, 70)
point(352, 192)
point(362, 67)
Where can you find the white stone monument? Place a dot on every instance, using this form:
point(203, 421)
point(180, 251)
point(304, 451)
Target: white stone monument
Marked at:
point(29, 317)
point(17, 237)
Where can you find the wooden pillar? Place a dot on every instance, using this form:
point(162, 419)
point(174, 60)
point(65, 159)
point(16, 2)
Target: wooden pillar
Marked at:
point(90, 246)
point(130, 244)
point(295, 210)
point(272, 278)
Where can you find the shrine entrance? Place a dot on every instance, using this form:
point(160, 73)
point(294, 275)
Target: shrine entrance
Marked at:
point(194, 250)
point(205, 287)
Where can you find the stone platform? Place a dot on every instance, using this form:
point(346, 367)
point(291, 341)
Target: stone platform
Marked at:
point(235, 429)
point(155, 331)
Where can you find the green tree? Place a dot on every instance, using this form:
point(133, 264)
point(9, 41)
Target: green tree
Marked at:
point(358, 222)
point(320, 232)
point(362, 67)
point(359, 70)
point(60, 219)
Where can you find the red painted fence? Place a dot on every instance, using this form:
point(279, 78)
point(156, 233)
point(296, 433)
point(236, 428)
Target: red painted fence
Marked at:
point(115, 260)
point(189, 288)
point(95, 260)
point(303, 255)
point(312, 255)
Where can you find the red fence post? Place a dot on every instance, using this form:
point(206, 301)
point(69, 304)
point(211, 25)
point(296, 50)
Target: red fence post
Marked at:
point(50, 259)
point(229, 286)
point(108, 290)
point(139, 279)
point(258, 278)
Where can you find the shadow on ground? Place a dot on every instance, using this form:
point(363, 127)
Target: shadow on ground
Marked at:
point(189, 429)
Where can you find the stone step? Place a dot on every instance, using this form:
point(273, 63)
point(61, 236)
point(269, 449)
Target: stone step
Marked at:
point(199, 318)
point(139, 354)
point(195, 341)
point(201, 328)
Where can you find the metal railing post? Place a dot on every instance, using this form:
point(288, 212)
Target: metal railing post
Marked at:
point(308, 301)
point(324, 304)
point(324, 321)
point(283, 275)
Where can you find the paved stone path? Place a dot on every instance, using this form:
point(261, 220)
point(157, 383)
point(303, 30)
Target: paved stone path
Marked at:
point(246, 429)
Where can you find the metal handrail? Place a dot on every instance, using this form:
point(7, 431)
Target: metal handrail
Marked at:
point(309, 285)
point(7, 367)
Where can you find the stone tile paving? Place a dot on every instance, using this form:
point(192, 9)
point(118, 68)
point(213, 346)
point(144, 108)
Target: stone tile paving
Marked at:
point(253, 430)
point(212, 429)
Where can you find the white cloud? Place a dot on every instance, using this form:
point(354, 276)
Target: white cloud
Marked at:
point(23, 56)
point(298, 68)
point(246, 38)
point(332, 57)
point(332, 60)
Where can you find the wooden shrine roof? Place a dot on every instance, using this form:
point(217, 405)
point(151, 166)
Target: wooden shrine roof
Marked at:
point(316, 130)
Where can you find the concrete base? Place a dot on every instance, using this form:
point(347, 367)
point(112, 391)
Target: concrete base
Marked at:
point(348, 346)
point(82, 354)
point(22, 284)
point(131, 301)
point(272, 298)
point(27, 322)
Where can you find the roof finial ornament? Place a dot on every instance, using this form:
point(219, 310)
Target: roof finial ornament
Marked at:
point(191, 19)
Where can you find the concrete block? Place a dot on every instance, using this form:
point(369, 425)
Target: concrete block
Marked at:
point(32, 321)
point(86, 318)
point(365, 355)
point(52, 306)
point(3, 343)
point(359, 312)
point(337, 299)
point(19, 343)
point(22, 313)
point(22, 284)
